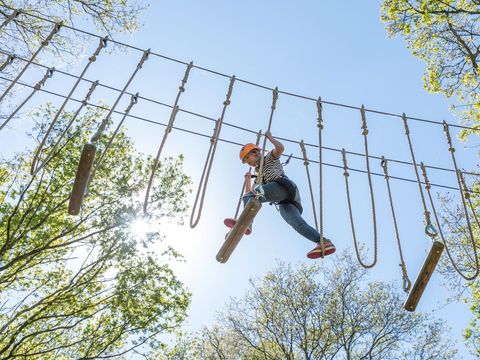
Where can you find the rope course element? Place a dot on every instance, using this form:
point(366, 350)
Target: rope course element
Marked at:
point(139, 118)
point(83, 103)
point(455, 266)
point(312, 197)
point(11, 17)
point(247, 82)
point(429, 228)
point(461, 183)
point(85, 174)
point(186, 111)
point(168, 130)
point(202, 186)
point(407, 284)
point(43, 44)
point(8, 61)
point(372, 199)
point(242, 190)
point(37, 87)
point(259, 179)
point(34, 168)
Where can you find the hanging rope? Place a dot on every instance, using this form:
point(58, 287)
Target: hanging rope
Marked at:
point(455, 266)
point(44, 43)
point(202, 186)
point(407, 284)
point(429, 228)
point(259, 179)
point(133, 101)
point(374, 217)
point(37, 87)
point(83, 103)
point(312, 198)
point(242, 190)
point(8, 61)
point(168, 129)
point(12, 16)
point(34, 168)
point(320, 167)
point(104, 123)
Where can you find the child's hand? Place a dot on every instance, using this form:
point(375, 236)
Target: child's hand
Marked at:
point(248, 176)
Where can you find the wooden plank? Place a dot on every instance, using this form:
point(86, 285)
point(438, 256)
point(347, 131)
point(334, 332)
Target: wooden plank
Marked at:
point(81, 179)
point(424, 275)
point(237, 232)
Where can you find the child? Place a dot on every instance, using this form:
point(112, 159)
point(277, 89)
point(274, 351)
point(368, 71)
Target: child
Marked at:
point(276, 187)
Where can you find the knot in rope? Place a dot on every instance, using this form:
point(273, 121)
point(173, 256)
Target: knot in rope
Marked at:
point(12, 16)
point(47, 75)
point(89, 93)
point(464, 185)
point(407, 284)
point(101, 45)
point(144, 58)
point(133, 101)
point(274, 98)
point(55, 30)
point(319, 113)
point(344, 160)
point(230, 89)
point(213, 138)
point(185, 77)
point(7, 62)
point(404, 118)
point(446, 130)
point(304, 152)
point(384, 165)
point(364, 121)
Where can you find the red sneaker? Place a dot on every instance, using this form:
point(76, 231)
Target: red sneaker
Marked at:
point(231, 223)
point(328, 249)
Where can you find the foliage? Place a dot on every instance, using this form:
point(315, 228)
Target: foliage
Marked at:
point(312, 312)
point(446, 35)
point(84, 286)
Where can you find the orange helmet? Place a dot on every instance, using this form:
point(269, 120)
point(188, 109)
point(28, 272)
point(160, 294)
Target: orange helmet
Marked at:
point(246, 149)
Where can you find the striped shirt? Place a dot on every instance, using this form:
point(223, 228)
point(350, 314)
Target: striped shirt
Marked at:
point(272, 168)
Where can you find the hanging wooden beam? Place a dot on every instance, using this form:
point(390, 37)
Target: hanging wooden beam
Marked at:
point(424, 275)
point(81, 179)
point(234, 236)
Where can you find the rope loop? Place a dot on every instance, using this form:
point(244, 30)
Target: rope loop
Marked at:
point(344, 161)
point(407, 284)
point(384, 165)
point(274, 98)
point(304, 152)
point(89, 93)
point(185, 77)
point(144, 58)
point(229, 92)
point(405, 124)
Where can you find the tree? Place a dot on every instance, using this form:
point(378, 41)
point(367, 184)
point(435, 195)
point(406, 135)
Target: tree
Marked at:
point(446, 35)
point(85, 287)
point(319, 312)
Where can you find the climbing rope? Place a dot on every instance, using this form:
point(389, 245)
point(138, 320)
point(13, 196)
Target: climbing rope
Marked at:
point(455, 266)
point(104, 123)
point(168, 129)
point(407, 284)
point(259, 179)
point(320, 168)
point(34, 168)
point(242, 190)
point(312, 198)
point(44, 43)
point(374, 217)
point(11, 17)
point(8, 61)
point(37, 87)
point(202, 186)
point(83, 103)
point(133, 101)
point(429, 228)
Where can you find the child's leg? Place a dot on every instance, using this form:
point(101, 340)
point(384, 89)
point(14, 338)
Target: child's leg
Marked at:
point(292, 216)
point(270, 192)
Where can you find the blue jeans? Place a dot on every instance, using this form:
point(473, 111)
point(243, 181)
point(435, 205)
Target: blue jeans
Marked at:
point(274, 192)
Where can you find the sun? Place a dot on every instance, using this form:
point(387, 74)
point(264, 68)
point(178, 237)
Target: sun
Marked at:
point(139, 228)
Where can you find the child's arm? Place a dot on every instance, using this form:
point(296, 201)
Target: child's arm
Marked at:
point(248, 182)
point(278, 151)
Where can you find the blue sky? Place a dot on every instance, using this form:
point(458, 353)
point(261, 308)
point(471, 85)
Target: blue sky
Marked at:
point(337, 50)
